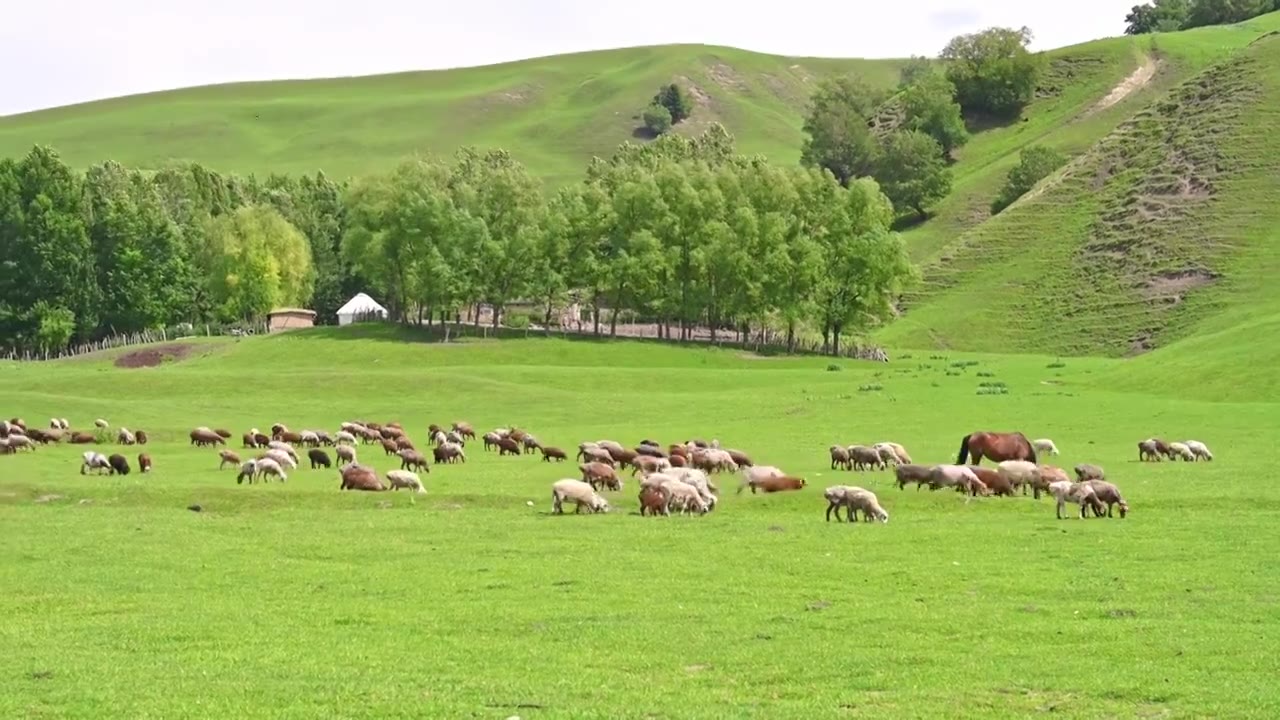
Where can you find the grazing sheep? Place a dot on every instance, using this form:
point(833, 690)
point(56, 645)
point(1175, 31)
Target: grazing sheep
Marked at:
point(360, 477)
point(1107, 494)
point(836, 498)
point(853, 499)
point(649, 449)
point(684, 497)
point(410, 459)
point(204, 436)
point(20, 441)
point(695, 478)
point(778, 484)
point(404, 443)
point(550, 452)
point(599, 475)
point(261, 440)
point(507, 446)
point(318, 458)
point(1199, 450)
point(118, 464)
point(449, 453)
point(622, 456)
point(649, 464)
point(224, 434)
point(345, 453)
point(864, 457)
point(992, 481)
point(226, 456)
point(389, 447)
point(464, 429)
point(1048, 475)
point(753, 476)
point(579, 493)
point(1019, 473)
point(405, 479)
point(44, 437)
point(840, 458)
point(281, 458)
point(83, 438)
point(740, 458)
point(247, 440)
point(1044, 446)
point(653, 501)
point(491, 440)
point(279, 429)
point(283, 447)
point(100, 423)
point(713, 460)
point(904, 458)
point(144, 463)
point(1148, 450)
point(248, 471)
point(141, 437)
point(324, 438)
point(344, 437)
point(309, 438)
point(1180, 451)
point(94, 461)
point(918, 474)
point(610, 445)
point(1079, 493)
point(439, 437)
point(950, 476)
point(531, 444)
point(1085, 471)
point(270, 466)
point(596, 454)
point(887, 455)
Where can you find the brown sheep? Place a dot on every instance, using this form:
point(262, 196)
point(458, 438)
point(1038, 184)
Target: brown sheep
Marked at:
point(740, 458)
point(224, 434)
point(247, 440)
point(261, 439)
point(278, 428)
point(508, 446)
point(83, 438)
point(654, 501)
point(678, 450)
point(318, 458)
point(778, 484)
point(391, 433)
point(1149, 450)
point(140, 437)
point(678, 461)
point(549, 452)
point(600, 475)
point(360, 477)
point(414, 459)
point(227, 456)
point(621, 456)
point(345, 452)
point(1085, 471)
point(404, 443)
point(201, 437)
point(464, 429)
point(1047, 476)
point(517, 435)
point(448, 453)
point(389, 447)
point(144, 463)
point(648, 464)
point(288, 436)
point(1107, 494)
point(864, 458)
point(650, 450)
point(995, 483)
point(599, 455)
point(840, 458)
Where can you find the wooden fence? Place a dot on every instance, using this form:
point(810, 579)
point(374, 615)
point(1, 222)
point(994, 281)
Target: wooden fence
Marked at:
point(145, 337)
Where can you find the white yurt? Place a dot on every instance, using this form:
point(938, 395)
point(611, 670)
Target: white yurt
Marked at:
point(360, 307)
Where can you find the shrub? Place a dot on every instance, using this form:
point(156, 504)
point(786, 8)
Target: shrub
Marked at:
point(984, 373)
point(993, 71)
point(1056, 365)
point(1037, 163)
point(834, 368)
point(657, 119)
point(517, 321)
point(675, 100)
point(874, 387)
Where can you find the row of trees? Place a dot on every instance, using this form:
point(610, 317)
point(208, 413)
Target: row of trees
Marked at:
point(1171, 15)
point(681, 231)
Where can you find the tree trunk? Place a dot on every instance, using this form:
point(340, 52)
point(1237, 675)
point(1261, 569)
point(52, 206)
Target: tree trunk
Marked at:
point(546, 319)
point(791, 337)
point(497, 315)
point(613, 315)
point(595, 312)
point(835, 337)
point(826, 337)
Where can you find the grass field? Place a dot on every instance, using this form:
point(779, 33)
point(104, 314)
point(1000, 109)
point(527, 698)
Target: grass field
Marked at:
point(297, 600)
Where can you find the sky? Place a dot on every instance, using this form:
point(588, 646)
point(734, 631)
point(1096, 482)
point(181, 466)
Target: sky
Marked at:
point(59, 52)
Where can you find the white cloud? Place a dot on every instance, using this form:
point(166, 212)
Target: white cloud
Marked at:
point(58, 52)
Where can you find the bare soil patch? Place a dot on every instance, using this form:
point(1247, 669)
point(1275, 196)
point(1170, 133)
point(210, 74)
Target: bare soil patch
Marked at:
point(1175, 285)
point(153, 356)
point(1137, 80)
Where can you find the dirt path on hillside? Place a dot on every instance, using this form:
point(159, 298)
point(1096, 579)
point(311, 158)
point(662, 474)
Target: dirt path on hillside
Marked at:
point(1137, 80)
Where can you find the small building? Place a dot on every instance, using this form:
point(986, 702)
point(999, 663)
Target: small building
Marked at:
point(360, 308)
point(290, 319)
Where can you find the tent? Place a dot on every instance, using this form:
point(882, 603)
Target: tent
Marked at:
point(360, 307)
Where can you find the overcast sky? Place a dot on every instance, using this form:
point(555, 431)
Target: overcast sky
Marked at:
point(58, 52)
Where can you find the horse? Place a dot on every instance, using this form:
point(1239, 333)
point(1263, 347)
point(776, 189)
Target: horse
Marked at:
point(996, 446)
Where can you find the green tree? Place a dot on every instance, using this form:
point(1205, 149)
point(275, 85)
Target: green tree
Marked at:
point(256, 261)
point(675, 100)
point(839, 139)
point(993, 71)
point(1225, 12)
point(657, 119)
point(916, 68)
point(929, 106)
point(912, 173)
point(1037, 162)
point(1157, 16)
point(55, 326)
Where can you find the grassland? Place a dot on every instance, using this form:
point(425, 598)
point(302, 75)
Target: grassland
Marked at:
point(297, 600)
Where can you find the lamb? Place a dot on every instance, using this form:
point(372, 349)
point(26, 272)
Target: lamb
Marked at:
point(1199, 449)
point(1181, 451)
point(1019, 473)
point(864, 457)
point(226, 456)
point(93, 461)
point(899, 452)
point(124, 437)
point(405, 479)
point(599, 475)
point(360, 477)
point(653, 501)
point(345, 453)
point(853, 499)
point(579, 493)
point(918, 474)
point(753, 476)
point(1107, 494)
point(1048, 475)
point(318, 458)
point(118, 464)
point(1044, 446)
point(1078, 493)
point(413, 459)
point(248, 471)
point(683, 496)
point(1084, 472)
point(549, 452)
point(144, 463)
point(270, 466)
point(836, 497)
point(840, 458)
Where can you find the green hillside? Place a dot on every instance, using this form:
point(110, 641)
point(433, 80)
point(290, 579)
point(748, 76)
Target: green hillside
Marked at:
point(552, 113)
point(1163, 228)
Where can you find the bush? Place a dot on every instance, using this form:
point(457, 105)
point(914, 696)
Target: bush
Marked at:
point(1037, 163)
point(657, 119)
point(675, 100)
point(1056, 365)
point(984, 373)
point(516, 321)
point(875, 387)
point(993, 71)
point(834, 368)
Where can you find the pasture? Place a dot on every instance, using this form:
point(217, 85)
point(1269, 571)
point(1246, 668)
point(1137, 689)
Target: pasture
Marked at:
point(294, 599)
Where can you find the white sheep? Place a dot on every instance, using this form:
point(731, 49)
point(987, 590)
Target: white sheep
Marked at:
point(720, 460)
point(1079, 493)
point(1019, 473)
point(124, 437)
point(18, 440)
point(94, 461)
point(1044, 446)
point(454, 437)
point(698, 480)
point(951, 476)
point(344, 437)
point(405, 479)
point(268, 466)
point(284, 447)
point(63, 424)
point(900, 453)
point(345, 452)
point(853, 499)
point(579, 493)
point(309, 437)
point(684, 497)
point(610, 445)
point(439, 438)
point(248, 471)
point(100, 423)
point(1199, 449)
point(282, 458)
point(1180, 450)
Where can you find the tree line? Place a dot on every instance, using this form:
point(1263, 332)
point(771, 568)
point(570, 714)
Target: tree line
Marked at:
point(1172, 15)
point(684, 232)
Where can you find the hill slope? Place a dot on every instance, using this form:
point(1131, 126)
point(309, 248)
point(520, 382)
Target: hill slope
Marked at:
point(552, 113)
point(1103, 259)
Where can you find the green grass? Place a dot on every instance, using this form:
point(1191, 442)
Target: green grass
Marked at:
point(297, 600)
point(552, 113)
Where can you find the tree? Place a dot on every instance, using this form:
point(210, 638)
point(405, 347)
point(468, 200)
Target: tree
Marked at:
point(914, 69)
point(56, 326)
point(657, 119)
point(1037, 162)
point(912, 173)
point(256, 261)
point(929, 106)
point(1225, 12)
point(675, 100)
point(1157, 16)
point(839, 139)
point(993, 71)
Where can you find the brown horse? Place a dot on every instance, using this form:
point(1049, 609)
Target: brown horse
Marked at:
point(997, 446)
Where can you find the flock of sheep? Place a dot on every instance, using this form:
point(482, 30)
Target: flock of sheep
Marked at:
point(677, 479)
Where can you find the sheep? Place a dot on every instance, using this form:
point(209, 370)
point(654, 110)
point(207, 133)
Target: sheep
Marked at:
point(1161, 448)
point(1047, 476)
point(17, 441)
point(278, 429)
point(414, 459)
point(1078, 493)
point(204, 436)
point(698, 479)
point(260, 439)
point(853, 499)
point(404, 443)
point(344, 437)
point(464, 429)
point(531, 444)
point(1199, 449)
point(683, 496)
point(309, 438)
point(610, 445)
point(360, 477)
point(992, 481)
point(324, 438)
point(836, 498)
point(439, 438)
point(950, 476)
point(248, 471)
point(599, 475)
point(649, 464)
point(82, 438)
point(579, 493)
point(918, 474)
point(900, 452)
point(1147, 450)
point(44, 437)
point(389, 447)
point(887, 455)
point(318, 458)
point(283, 447)
point(93, 461)
point(448, 453)
point(507, 446)
point(270, 466)
point(650, 450)
point(455, 438)
point(491, 440)
point(740, 458)
point(550, 452)
point(1019, 473)
point(141, 437)
point(222, 433)
point(1084, 472)
point(391, 432)
point(863, 457)
point(654, 501)
point(752, 476)
point(289, 436)
point(1107, 494)
point(779, 484)
point(144, 463)
point(622, 456)
point(281, 458)
point(840, 457)
point(345, 453)
point(405, 479)
point(101, 424)
point(226, 456)
point(596, 454)
point(4, 445)
point(118, 464)
point(714, 460)
point(1044, 446)
point(1179, 450)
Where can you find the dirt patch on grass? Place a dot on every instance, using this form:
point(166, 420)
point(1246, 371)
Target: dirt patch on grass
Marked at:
point(1175, 284)
point(1137, 80)
point(725, 76)
point(153, 356)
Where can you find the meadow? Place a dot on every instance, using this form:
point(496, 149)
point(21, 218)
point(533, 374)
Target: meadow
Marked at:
point(294, 599)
